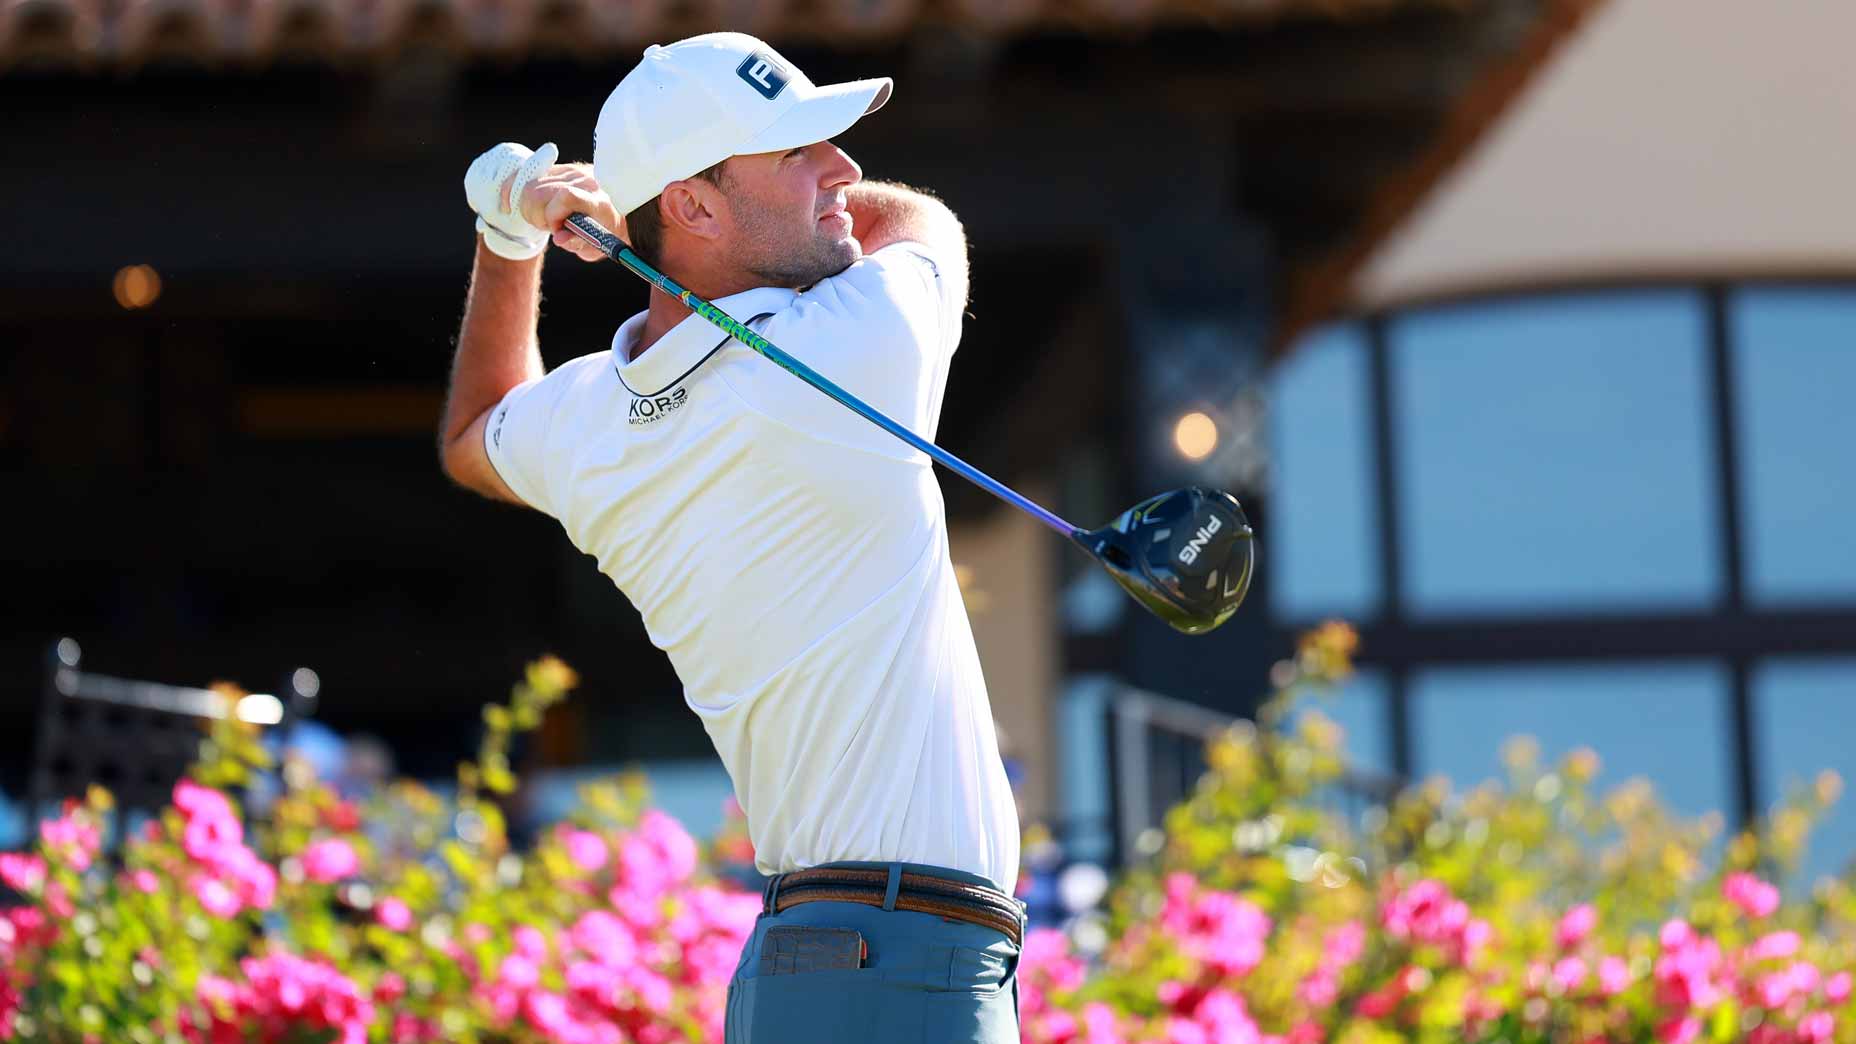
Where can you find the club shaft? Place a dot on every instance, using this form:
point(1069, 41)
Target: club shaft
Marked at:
point(615, 248)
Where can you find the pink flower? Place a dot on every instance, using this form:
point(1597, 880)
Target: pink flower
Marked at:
point(22, 873)
point(1099, 1021)
point(215, 897)
point(197, 802)
point(518, 972)
point(281, 993)
point(9, 1005)
point(144, 881)
point(1773, 990)
point(390, 988)
point(1817, 1027)
point(1319, 989)
point(1679, 1030)
point(29, 925)
point(410, 1029)
point(531, 943)
point(1427, 913)
point(72, 838)
point(1045, 966)
point(1306, 1032)
point(393, 913)
point(205, 838)
point(1222, 929)
point(1676, 934)
point(1685, 975)
point(1837, 988)
point(659, 856)
point(1343, 945)
point(252, 878)
point(1569, 974)
point(1750, 894)
point(1377, 1004)
point(1476, 935)
point(586, 849)
point(1576, 925)
point(1613, 976)
point(58, 901)
point(330, 859)
point(1774, 946)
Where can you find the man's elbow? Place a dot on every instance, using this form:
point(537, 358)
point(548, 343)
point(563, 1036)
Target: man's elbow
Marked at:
point(463, 467)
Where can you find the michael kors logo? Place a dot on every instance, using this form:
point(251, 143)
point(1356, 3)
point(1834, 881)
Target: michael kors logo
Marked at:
point(655, 408)
point(763, 74)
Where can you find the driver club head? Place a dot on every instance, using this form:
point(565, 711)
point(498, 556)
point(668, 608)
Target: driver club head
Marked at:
point(1186, 555)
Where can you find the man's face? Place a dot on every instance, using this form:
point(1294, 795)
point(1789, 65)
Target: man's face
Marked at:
point(788, 211)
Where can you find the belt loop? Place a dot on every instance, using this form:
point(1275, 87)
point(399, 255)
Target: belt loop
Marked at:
point(895, 886)
point(772, 893)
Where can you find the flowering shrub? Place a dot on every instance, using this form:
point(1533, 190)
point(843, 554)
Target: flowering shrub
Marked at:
point(1530, 911)
point(1525, 912)
point(403, 919)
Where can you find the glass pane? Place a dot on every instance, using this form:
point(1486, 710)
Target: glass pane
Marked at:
point(1804, 714)
point(1555, 455)
point(1322, 547)
point(1795, 364)
point(1359, 707)
point(13, 830)
point(1665, 722)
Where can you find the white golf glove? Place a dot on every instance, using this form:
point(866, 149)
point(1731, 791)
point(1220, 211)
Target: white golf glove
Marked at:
point(505, 231)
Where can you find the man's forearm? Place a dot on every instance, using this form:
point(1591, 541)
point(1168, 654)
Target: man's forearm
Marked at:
point(883, 212)
point(497, 349)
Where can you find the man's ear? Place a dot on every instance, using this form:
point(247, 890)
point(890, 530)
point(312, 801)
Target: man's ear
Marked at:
point(692, 205)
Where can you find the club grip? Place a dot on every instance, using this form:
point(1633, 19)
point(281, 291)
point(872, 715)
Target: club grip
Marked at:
point(595, 233)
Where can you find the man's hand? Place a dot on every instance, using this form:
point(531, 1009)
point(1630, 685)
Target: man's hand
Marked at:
point(545, 194)
point(487, 186)
point(565, 189)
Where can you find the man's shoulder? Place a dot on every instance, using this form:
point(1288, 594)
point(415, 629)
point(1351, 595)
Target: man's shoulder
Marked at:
point(573, 382)
point(900, 281)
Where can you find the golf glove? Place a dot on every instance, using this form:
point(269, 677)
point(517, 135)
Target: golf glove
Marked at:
point(505, 231)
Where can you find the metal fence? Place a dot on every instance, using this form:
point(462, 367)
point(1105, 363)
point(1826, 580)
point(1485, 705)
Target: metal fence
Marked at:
point(1157, 747)
point(134, 738)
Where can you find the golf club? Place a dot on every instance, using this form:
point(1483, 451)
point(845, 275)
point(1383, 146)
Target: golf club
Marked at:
point(1186, 555)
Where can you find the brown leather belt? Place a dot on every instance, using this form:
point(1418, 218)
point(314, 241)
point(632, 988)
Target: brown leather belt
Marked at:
point(919, 893)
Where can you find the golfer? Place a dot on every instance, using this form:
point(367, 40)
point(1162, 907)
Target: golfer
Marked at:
point(791, 558)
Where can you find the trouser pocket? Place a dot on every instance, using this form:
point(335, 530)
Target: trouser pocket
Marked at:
point(826, 1007)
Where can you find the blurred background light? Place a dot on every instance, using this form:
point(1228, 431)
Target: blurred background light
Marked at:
point(1196, 436)
point(136, 286)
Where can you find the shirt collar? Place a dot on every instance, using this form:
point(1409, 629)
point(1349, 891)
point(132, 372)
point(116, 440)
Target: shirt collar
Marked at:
point(688, 343)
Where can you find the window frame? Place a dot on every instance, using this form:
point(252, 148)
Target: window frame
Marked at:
point(1735, 632)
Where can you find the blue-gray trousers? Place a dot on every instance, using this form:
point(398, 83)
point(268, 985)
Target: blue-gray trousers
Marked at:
point(925, 980)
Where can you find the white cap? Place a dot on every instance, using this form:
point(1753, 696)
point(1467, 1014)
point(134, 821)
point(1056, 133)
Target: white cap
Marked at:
point(694, 103)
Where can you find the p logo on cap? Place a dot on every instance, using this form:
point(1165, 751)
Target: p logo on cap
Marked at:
point(763, 74)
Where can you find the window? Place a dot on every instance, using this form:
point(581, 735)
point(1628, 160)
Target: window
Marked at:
point(1663, 721)
point(1795, 364)
point(1322, 546)
point(1554, 455)
point(1360, 707)
point(1805, 714)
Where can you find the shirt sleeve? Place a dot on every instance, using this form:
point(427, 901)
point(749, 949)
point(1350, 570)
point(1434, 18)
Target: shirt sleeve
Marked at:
point(885, 329)
point(919, 280)
point(518, 436)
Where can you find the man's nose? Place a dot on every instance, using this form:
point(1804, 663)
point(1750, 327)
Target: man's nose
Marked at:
point(841, 169)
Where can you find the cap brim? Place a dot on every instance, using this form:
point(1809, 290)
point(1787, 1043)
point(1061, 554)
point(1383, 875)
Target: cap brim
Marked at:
point(829, 112)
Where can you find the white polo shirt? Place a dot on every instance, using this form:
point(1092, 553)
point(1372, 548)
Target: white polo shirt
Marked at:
point(791, 558)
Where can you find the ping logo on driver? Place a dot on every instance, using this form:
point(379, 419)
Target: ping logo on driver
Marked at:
point(1190, 553)
point(763, 74)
